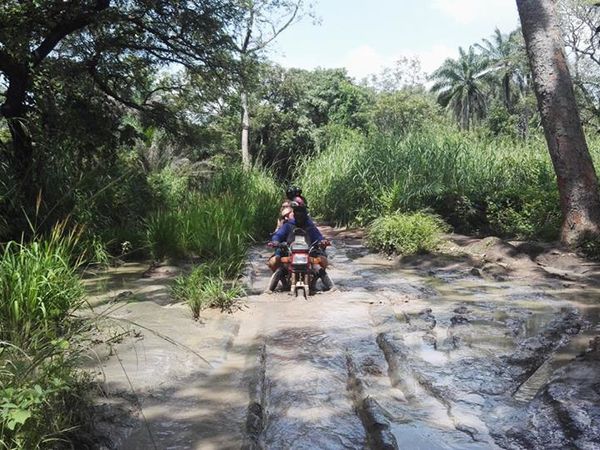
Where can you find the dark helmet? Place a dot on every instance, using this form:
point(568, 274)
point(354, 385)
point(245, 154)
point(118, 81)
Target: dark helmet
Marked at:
point(293, 192)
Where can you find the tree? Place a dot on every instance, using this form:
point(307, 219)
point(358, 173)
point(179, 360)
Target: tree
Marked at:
point(292, 109)
point(264, 21)
point(29, 34)
point(115, 44)
point(580, 22)
point(405, 73)
point(577, 180)
point(404, 111)
point(461, 86)
point(503, 53)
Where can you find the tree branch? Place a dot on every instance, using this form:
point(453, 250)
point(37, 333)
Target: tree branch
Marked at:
point(62, 30)
point(104, 87)
point(277, 32)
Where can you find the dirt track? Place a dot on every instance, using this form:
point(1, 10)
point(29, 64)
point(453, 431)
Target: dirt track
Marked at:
point(450, 352)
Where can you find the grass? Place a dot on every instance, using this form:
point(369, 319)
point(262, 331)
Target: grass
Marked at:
point(206, 287)
point(219, 221)
point(41, 393)
point(475, 183)
point(217, 224)
point(405, 234)
point(39, 288)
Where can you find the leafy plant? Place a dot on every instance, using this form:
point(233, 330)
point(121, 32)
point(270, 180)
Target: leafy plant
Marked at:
point(220, 222)
point(41, 398)
point(39, 287)
point(206, 287)
point(406, 234)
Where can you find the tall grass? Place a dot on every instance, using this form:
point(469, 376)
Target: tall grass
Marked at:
point(216, 224)
point(39, 288)
point(41, 402)
point(206, 287)
point(476, 183)
point(219, 221)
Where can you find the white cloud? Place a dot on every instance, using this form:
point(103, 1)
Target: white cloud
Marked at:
point(470, 11)
point(362, 61)
point(365, 60)
point(433, 58)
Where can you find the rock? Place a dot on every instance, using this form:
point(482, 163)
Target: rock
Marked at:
point(122, 296)
point(462, 310)
point(458, 320)
point(475, 272)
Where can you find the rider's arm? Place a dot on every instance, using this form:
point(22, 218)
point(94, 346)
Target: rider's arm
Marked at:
point(281, 234)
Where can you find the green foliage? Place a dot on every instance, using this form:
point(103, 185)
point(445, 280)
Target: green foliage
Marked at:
point(406, 234)
point(590, 247)
point(527, 214)
point(233, 209)
point(39, 288)
point(42, 397)
point(168, 186)
point(293, 106)
point(404, 111)
point(205, 287)
point(461, 86)
point(472, 181)
point(165, 233)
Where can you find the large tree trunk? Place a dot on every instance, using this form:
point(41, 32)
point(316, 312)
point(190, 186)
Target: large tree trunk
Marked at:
point(246, 161)
point(577, 181)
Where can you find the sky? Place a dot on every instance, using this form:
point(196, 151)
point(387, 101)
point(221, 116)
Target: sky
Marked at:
point(365, 36)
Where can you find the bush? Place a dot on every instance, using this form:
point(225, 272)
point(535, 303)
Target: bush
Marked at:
point(43, 401)
point(206, 287)
point(406, 110)
point(406, 234)
point(590, 247)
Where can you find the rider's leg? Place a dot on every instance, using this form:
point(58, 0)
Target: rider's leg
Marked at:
point(274, 262)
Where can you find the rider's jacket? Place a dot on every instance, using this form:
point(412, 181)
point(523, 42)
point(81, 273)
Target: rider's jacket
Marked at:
point(286, 231)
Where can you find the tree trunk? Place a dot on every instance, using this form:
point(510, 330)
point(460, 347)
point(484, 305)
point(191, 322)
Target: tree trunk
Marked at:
point(577, 181)
point(246, 161)
point(14, 111)
point(506, 89)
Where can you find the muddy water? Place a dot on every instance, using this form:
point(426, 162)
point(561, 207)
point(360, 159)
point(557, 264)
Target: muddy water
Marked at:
point(431, 357)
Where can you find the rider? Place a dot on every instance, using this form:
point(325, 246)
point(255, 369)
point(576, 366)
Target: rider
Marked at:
point(286, 210)
point(299, 219)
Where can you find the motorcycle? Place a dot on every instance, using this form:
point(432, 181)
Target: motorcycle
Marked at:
point(300, 266)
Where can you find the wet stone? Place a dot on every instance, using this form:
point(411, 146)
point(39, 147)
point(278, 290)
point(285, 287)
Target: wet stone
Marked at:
point(462, 310)
point(458, 320)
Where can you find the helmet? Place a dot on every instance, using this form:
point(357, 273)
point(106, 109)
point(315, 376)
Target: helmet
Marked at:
point(292, 192)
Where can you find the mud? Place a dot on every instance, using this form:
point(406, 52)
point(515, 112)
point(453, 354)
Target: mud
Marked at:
point(490, 345)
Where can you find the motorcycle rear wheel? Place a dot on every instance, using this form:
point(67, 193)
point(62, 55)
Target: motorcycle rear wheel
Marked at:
point(275, 278)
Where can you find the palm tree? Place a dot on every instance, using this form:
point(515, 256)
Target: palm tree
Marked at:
point(461, 85)
point(506, 54)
